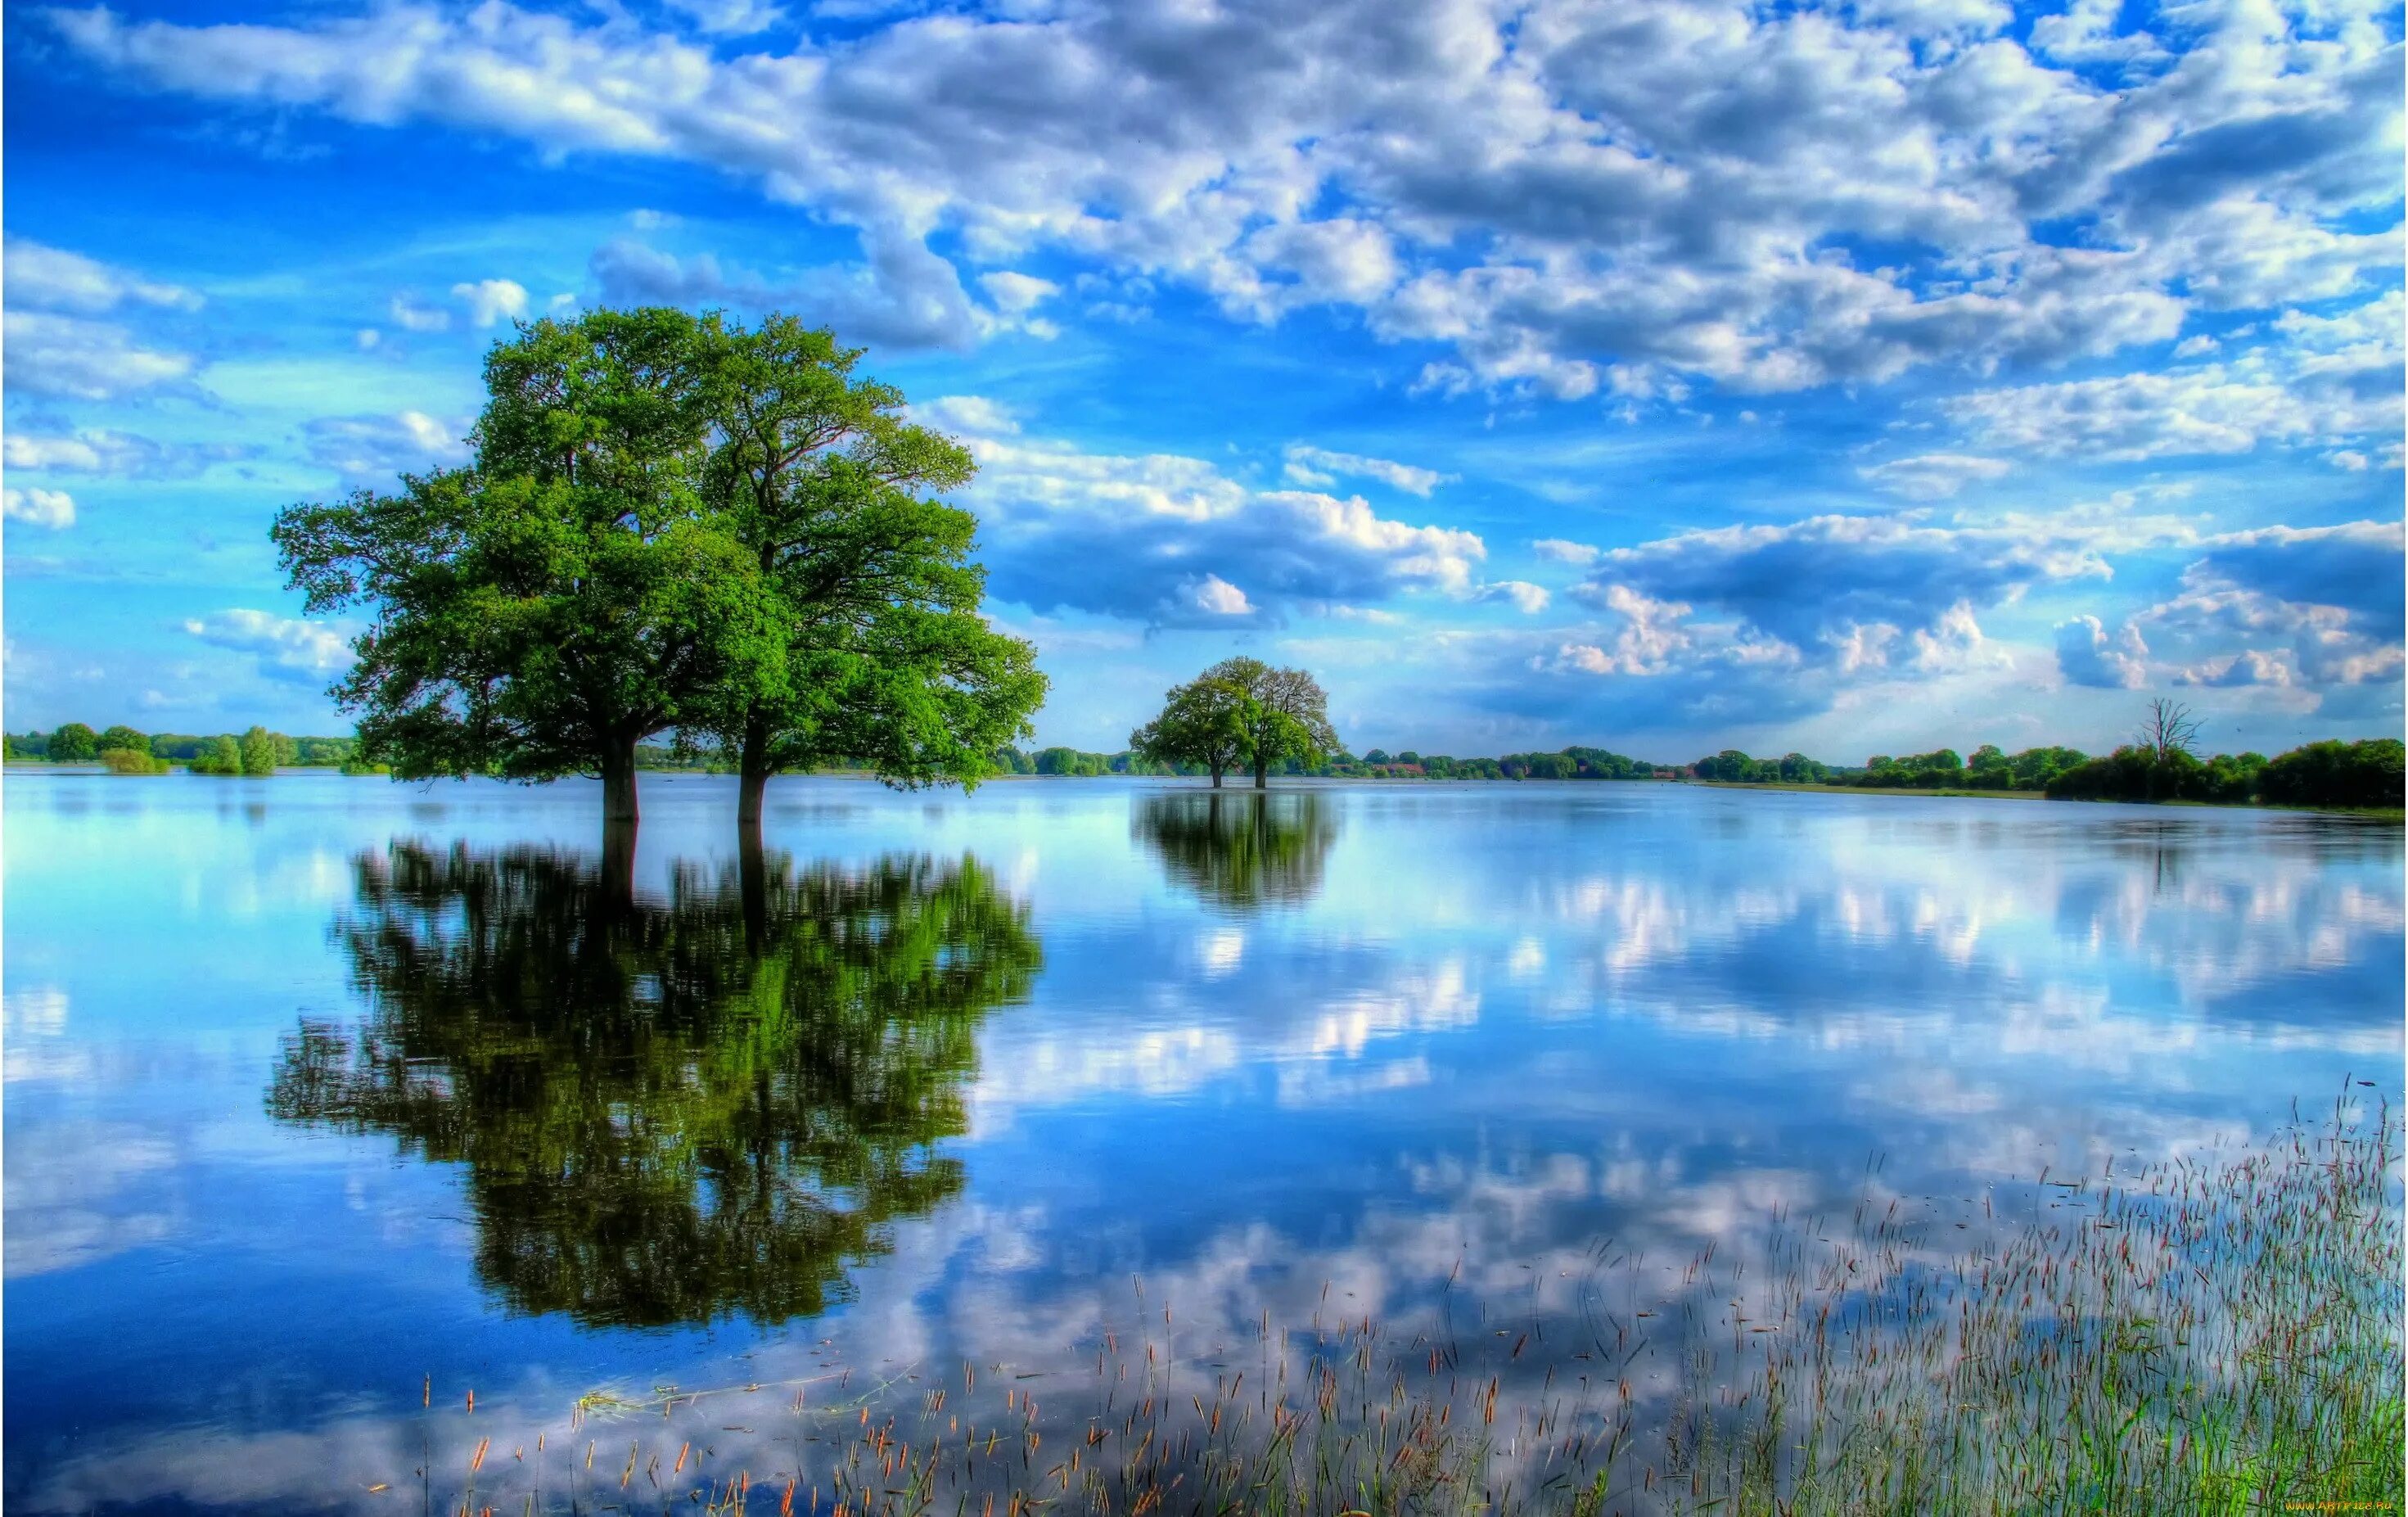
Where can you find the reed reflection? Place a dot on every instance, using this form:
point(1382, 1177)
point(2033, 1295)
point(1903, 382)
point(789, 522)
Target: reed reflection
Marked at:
point(669, 1111)
point(1240, 850)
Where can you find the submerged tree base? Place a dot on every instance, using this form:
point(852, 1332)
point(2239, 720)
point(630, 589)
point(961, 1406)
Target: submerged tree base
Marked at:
point(2219, 1333)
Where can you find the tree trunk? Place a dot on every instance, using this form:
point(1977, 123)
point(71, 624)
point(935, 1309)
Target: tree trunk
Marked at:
point(752, 874)
point(1217, 776)
point(752, 778)
point(1262, 772)
point(618, 781)
point(618, 883)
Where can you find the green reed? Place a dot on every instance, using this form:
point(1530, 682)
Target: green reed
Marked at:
point(2218, 1334)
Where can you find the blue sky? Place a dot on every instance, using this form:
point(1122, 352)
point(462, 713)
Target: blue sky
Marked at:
point(1655, 374)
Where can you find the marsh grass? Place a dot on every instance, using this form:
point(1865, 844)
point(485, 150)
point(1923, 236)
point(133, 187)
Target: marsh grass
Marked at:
point(2217, 1334)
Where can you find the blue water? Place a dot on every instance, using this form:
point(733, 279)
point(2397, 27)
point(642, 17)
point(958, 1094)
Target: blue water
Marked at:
point(324, 1091)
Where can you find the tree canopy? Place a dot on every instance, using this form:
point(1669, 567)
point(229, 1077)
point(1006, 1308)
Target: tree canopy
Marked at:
point(1240, 709)
point(872, 650)
point(670, 523)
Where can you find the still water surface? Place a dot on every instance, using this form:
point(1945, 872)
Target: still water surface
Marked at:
point(321, 1091)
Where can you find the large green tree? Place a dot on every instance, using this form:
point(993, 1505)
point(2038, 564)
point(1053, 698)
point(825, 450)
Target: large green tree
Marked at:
point(539, 612)
point(1201, 722)
point(869, 646)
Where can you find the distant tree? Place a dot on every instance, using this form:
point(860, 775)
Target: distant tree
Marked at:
point(542, 611)
point(1283, 713)
point(220, 755)
point(123, 736)
point(260, 751)
point(74, 744)
point(1200, 723)
point(2166, 728)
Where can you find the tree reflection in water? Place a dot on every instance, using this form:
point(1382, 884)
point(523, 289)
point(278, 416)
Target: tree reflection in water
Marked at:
point(669, 1112)
point(1239, 849)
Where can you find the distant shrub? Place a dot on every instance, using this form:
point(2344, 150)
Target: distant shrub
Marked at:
point(218, 755)
point(133, 762)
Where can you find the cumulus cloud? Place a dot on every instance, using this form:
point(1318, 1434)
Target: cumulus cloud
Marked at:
point(287, 647)
point(1527, 599)
point(2086, 654)
point(1933, 476)
point(1317, 467)
point(904, 296)
point(1650, 190)
point(2316, 607)
point(53, 510)
point(411, 314)
point(1564, 551)
point(1844, 593)
point(79, 360)
point(122, 455)
point(1172, 542)
point(492, 302)
point(375, 450)
point(54, 278)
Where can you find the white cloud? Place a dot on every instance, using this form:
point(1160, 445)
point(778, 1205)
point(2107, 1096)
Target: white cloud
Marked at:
point(729, 17)
point(2086, 654)
point(412, 314)
point(1304, 465)
point(972, 414)
point(73, 359)
point(375, 450)
point(1142, 537)
point(1564, 551)
point(1658, 190)
point(1017, 294)
point(123, 454)
point(54, 278)
point(492, 302)
point(54, 510)
point(1528, 598)
point(287, 647)
point(1933, 476)
point(1216, 597)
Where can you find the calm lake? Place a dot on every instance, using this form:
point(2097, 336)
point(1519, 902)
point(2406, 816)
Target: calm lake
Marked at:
point(327, 1099)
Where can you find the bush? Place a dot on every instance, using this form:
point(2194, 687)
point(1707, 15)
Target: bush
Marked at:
point(218, 755)
point(133, 762)
point(2133, 773)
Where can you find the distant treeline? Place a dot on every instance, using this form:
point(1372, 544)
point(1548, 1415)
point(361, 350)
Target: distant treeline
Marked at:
point(127, 751)
point(2367, 772)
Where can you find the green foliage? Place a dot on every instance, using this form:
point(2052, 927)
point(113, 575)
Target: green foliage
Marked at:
point(539, 612)
point(125, 737)
point(2133, 773)
point(74, 744)
point(260, 752)
point(865, 645)
point(1202, 722)
point(2367, 772)
point(125, 761)
point(218, 756)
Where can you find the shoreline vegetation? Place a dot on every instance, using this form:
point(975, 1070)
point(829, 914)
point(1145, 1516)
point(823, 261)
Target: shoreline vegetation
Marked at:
point(2219, 1331)
point(2365, 775)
